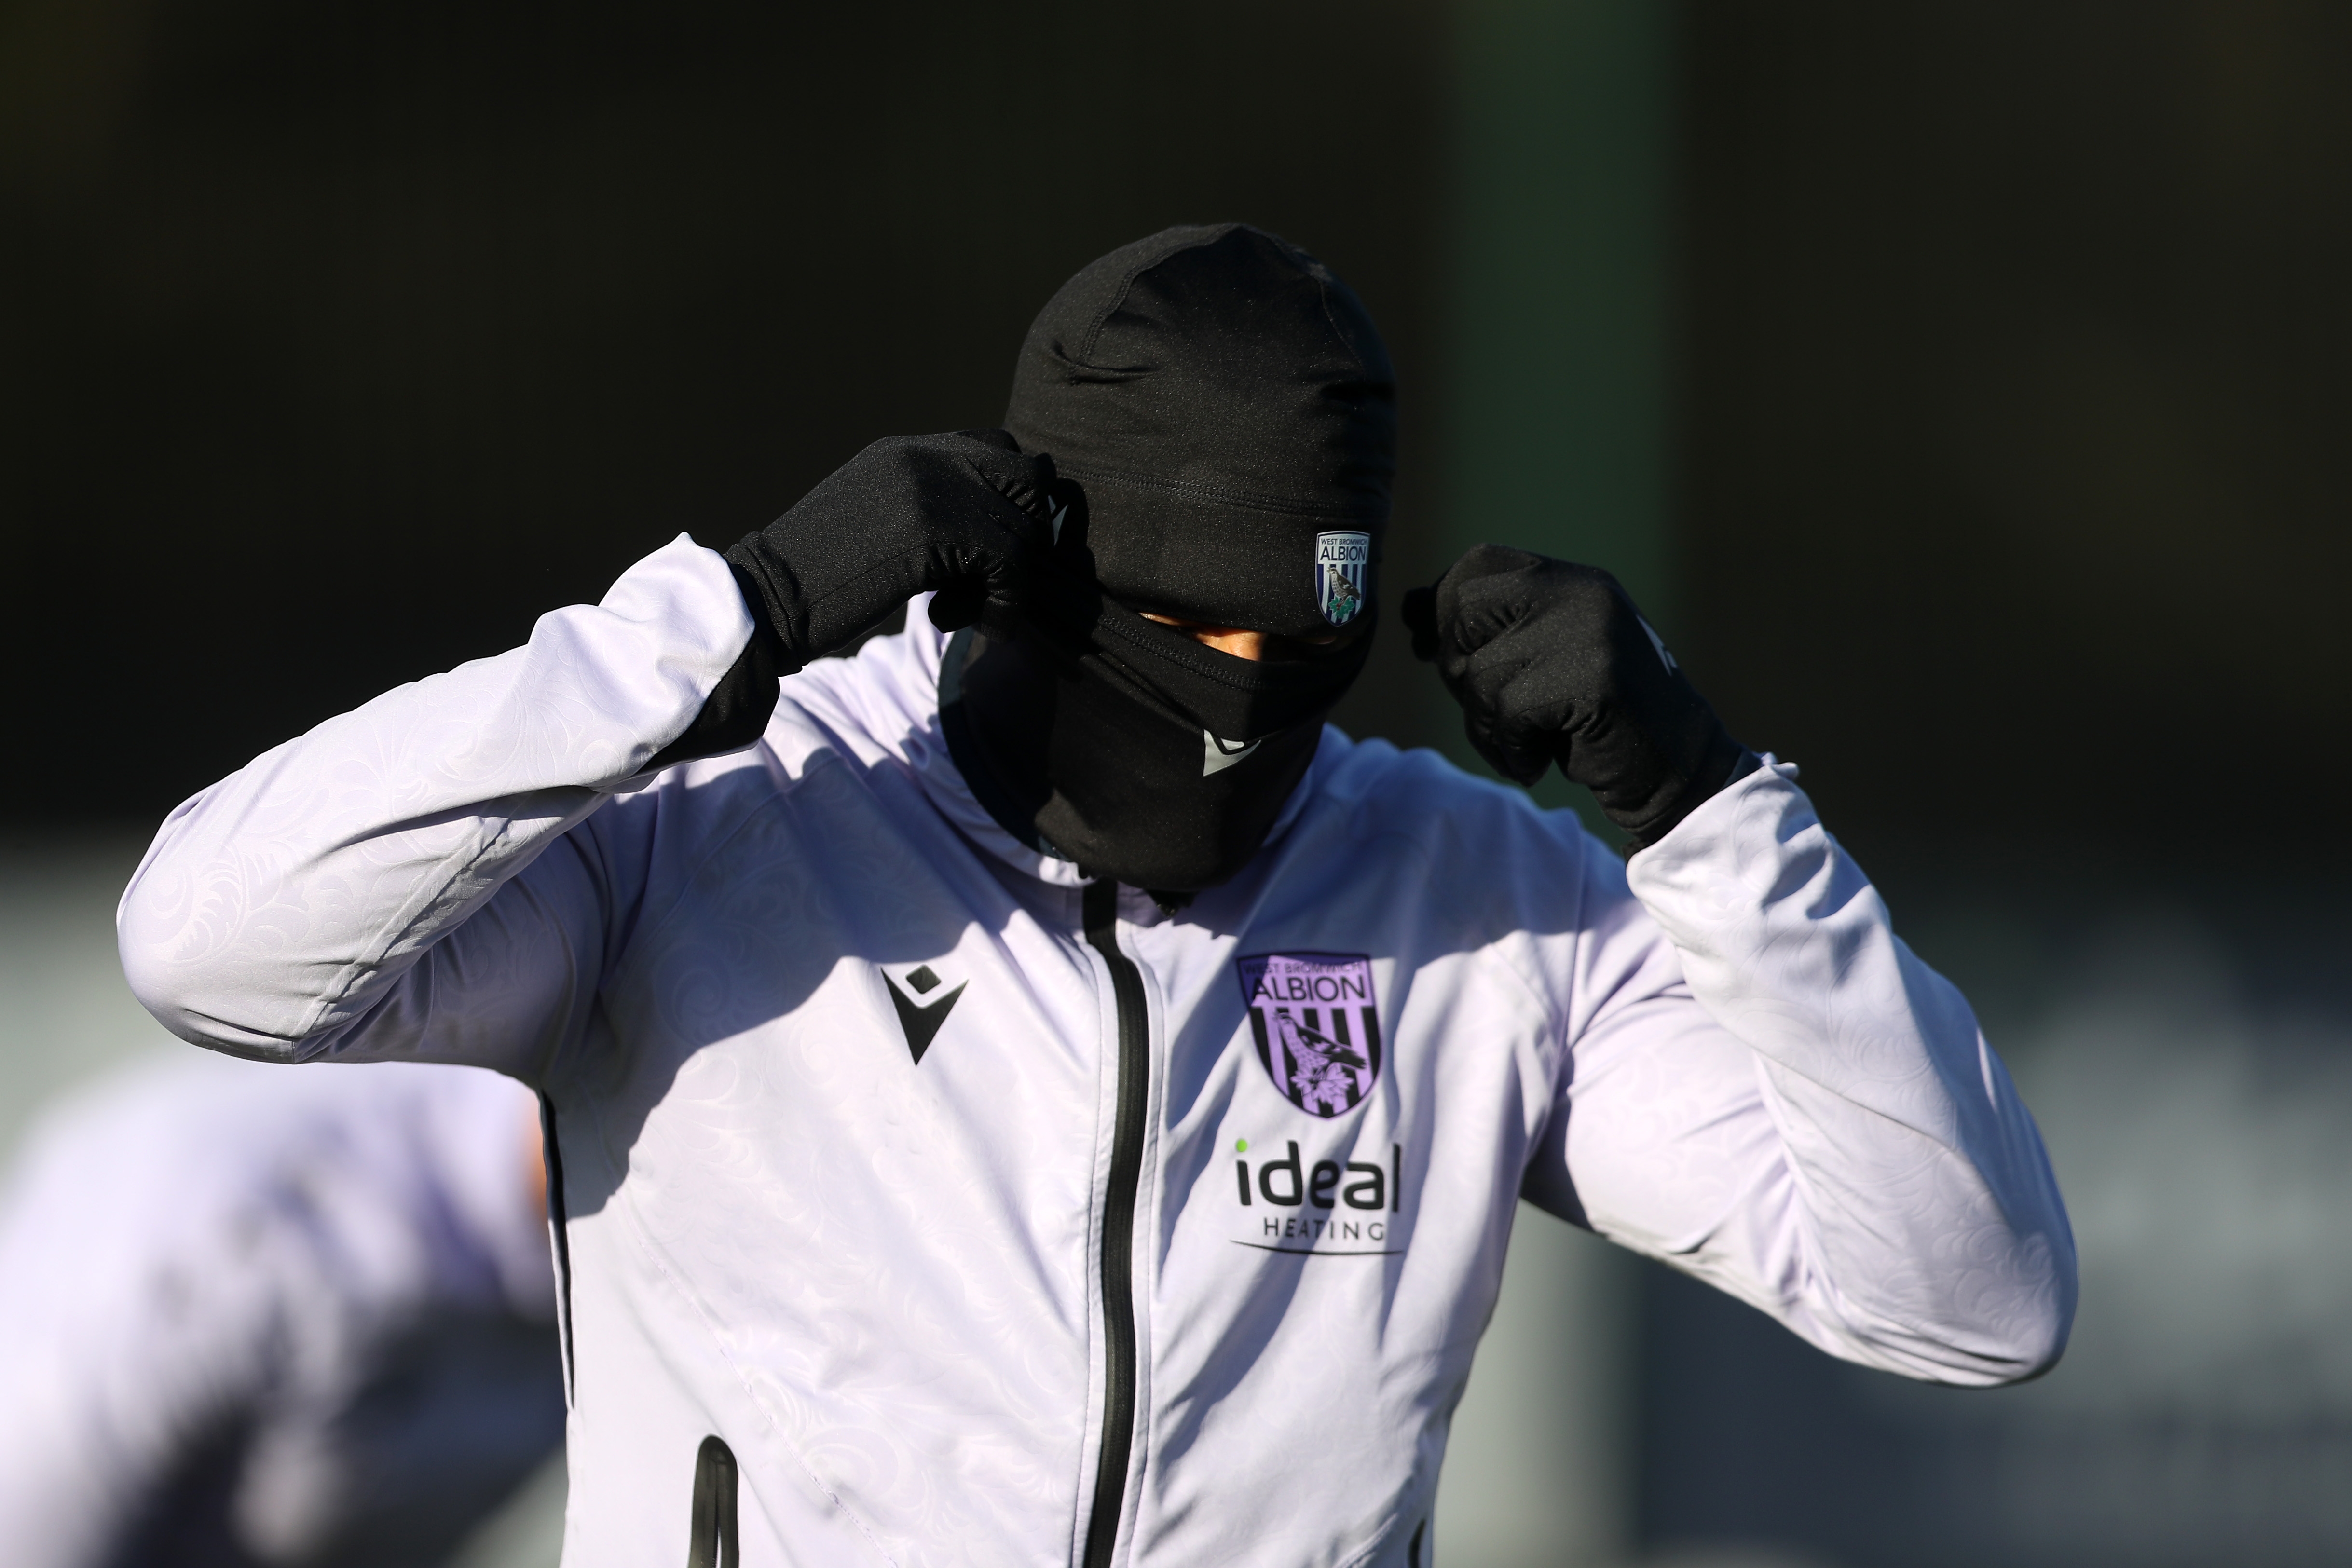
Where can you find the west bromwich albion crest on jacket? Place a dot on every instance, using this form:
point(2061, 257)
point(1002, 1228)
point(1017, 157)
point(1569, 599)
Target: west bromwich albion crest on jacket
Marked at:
point(1317, 1026)
point(1342, 560)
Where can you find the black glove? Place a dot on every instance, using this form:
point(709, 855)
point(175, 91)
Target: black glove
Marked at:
point(960, 514)
point(1551, 662)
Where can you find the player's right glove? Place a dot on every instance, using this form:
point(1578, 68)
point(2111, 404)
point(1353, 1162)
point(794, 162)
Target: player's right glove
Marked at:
point(1551, 662)
point(959, 515)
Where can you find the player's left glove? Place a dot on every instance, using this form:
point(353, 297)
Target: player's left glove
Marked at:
point(1551, 662)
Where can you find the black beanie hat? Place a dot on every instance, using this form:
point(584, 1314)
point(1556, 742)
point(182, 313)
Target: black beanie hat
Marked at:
point(1226, 409)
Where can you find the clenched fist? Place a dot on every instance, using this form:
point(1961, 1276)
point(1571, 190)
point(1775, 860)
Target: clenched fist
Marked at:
point(1551, 662)
point(962, 514)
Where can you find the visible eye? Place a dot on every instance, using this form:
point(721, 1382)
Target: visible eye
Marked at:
point(1256, 646)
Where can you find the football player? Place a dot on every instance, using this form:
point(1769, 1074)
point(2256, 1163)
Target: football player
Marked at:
point(903, 1018)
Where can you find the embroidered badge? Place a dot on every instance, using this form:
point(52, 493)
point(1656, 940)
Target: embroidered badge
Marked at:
point(1342, 560)
point(1317, 1026)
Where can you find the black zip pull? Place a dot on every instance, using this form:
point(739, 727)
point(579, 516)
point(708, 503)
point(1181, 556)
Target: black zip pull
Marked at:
point(711, 1540)
point(559, 1235)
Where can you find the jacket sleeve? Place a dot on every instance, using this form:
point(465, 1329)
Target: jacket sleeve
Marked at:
point(1765, 1088)
point(281, 914)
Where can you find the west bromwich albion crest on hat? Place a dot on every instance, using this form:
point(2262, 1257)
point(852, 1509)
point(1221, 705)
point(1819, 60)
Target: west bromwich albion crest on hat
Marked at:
point(1317, 1026)
point(1342, 560)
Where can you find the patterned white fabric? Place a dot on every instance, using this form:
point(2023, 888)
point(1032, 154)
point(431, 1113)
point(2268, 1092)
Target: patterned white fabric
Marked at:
point(875, 1278)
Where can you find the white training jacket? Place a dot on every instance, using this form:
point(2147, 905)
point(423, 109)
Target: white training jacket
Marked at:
point(975, 1222)
point(271, 1317)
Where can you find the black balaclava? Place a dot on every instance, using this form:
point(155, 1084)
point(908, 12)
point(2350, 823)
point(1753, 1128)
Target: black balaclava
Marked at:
point(1221, 414)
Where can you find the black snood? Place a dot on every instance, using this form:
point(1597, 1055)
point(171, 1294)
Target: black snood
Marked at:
point(1099, 759)
point(1221, 413)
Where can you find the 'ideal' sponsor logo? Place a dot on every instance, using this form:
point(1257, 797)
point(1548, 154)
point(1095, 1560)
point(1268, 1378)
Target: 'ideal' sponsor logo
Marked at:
point(1286, 1183)
point(1358, 1195)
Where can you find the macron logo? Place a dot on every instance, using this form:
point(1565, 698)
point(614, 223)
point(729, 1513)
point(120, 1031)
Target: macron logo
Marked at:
point(921, 1021)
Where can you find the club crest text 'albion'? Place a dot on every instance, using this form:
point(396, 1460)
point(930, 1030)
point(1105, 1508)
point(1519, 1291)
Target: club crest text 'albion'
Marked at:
point(1342, 560)
point(1317, 1026)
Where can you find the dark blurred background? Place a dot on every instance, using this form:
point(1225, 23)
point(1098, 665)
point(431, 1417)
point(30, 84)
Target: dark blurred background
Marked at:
point(342, 340)
point(1960, 387)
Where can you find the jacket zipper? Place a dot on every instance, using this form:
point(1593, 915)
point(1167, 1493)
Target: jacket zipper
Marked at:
point(1101, 910)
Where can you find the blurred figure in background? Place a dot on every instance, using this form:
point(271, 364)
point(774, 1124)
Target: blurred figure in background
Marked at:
point(252, 1317)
